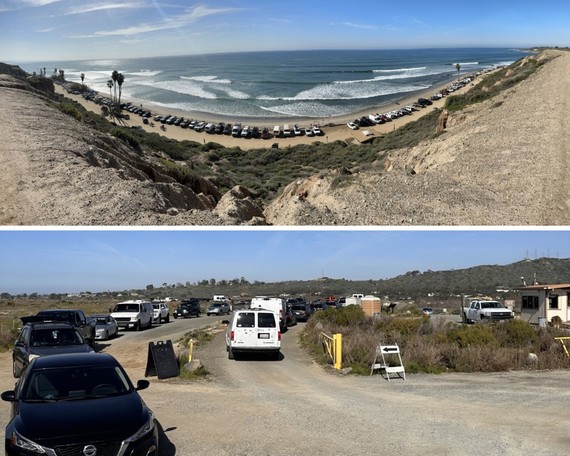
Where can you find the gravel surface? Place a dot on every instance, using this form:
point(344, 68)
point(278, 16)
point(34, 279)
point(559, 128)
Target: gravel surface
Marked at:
point(292, 406)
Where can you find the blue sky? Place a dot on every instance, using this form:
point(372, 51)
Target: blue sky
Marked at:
point(98, 260)
point(35, 30)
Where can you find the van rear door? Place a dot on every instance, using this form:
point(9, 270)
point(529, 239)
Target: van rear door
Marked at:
point(267, 330)
point(245, 332)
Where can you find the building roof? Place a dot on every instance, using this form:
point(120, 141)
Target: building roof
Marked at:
point(556, 286)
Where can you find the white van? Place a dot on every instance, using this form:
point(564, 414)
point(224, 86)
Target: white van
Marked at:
point(220, 298)
point(276, 305)
point(253, 331)
point(133, 314)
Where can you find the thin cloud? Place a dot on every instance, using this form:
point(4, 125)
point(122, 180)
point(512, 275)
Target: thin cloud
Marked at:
point(182, 20)
point(360, 26)
point(105, 7)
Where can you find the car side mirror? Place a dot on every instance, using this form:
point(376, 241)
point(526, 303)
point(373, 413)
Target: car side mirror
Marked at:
point(225, 322)
point(142, 384)
point(9, 396)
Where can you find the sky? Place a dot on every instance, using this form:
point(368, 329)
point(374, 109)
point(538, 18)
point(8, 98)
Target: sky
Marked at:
point(69, 261)
point(49, 30)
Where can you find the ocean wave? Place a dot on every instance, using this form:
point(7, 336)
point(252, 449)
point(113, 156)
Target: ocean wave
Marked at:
point(399, 70)
point(347, 92)
point(196, 89)
point(391, 77)
point(213, 79)
point(145, 73)
point(465, 63)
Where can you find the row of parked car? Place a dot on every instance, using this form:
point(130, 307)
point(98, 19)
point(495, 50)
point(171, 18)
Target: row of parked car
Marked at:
point(70, 400)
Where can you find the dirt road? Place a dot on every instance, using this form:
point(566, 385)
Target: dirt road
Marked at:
point(292, 406)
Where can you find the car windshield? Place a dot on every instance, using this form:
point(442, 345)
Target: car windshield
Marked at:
point(491, 305)
point(298, 307)
point(126, 308)
point(101, 321)
point(51, 337)
point(75, 383)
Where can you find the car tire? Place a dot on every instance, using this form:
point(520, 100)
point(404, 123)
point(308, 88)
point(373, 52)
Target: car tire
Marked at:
point(15, 372)
point(231, 354)
point(138, 325)
point(167, 319)
point(175, 316)
point(208, 314)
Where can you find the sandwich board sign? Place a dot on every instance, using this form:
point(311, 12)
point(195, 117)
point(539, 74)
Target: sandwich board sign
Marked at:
point(161, 360)
point(388, 360)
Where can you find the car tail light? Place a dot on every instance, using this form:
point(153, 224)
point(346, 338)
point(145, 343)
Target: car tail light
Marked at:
point(232, 335)
point(279, 335)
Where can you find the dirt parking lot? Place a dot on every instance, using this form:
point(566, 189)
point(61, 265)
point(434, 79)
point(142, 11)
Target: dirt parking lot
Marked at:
point(292, 406)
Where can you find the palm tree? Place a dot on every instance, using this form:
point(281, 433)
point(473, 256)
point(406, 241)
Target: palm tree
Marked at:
point(458, 68)
point(110, 84)
point(114, 77)
point(120, 80)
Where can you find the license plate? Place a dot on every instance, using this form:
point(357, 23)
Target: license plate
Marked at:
point(263, 336)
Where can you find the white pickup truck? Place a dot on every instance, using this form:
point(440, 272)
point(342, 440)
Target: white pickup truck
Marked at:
point(480, 310)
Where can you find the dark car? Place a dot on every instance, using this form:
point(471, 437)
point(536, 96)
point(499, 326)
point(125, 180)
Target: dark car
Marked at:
point(302, 311)
point(40, 339)
point(187, 309)
point(76, 317)
point(82, 404)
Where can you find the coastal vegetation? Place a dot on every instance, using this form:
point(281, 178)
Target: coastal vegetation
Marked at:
point(433, 345)
point(495, 83)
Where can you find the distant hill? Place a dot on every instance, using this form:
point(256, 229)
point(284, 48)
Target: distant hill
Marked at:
point(485, 279)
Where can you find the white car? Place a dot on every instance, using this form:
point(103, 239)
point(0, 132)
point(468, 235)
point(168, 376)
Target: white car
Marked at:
point(352, 126)
point(160, 312)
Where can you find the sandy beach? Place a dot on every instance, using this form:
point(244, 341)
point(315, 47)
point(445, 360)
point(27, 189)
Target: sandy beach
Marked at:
point(334, 128)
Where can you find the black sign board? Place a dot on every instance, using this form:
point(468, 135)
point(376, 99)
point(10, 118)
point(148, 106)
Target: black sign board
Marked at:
point(161, 360)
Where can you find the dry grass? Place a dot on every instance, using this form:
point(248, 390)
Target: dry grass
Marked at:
point(436, 347)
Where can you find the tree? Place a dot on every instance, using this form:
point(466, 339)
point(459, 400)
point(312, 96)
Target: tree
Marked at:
point(110, 85)
point(458, 68)
point(120, 80)
point(150, 287)
point(114, 77)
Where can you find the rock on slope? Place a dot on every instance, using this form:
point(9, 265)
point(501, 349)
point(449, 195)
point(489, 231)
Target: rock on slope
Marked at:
point(501, 162)
point(57, 171)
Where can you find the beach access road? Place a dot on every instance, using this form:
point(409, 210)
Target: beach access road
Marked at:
point(293, 406)
point(334, 128)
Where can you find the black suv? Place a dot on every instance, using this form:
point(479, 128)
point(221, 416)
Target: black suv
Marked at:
point(45, 338)
point(187, 309)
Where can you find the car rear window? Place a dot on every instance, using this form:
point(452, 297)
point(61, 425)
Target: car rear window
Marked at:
point(266, 320)
point(245, 320)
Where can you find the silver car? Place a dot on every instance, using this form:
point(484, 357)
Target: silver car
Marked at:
point(218, 308)
point(106, 327)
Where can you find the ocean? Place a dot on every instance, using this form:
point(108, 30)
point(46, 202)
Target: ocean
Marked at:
point(283, 84)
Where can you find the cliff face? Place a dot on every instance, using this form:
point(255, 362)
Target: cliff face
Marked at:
point(57, 171)
point(501, 162)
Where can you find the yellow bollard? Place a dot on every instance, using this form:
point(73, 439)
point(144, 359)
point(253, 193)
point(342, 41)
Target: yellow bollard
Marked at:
point(190, 348)
point(337, 350)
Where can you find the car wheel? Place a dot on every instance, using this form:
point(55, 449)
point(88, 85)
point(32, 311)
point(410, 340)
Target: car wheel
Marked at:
point(15, 371)
point(167, 319)
point(175, 316)
point(230, 353)
point(138, 325)
point(208, 314)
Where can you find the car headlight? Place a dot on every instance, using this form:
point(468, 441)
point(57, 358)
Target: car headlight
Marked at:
point(144, 430)
point(20, 441)
point(32, 356)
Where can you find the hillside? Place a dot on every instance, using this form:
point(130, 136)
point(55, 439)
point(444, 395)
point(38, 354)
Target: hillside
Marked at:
point(485, 279)
point(497, 162)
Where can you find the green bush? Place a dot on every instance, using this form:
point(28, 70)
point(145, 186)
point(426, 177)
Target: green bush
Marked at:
point(476, 335)
point(70, 110)
point(126, 136)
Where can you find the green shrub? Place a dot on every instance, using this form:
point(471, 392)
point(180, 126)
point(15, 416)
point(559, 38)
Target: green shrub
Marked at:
point(476, 335)
point(126, 136)
point(517, 333)
point(70, 110)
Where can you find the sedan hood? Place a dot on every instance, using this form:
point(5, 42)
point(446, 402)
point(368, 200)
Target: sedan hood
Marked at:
point(88, 420)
